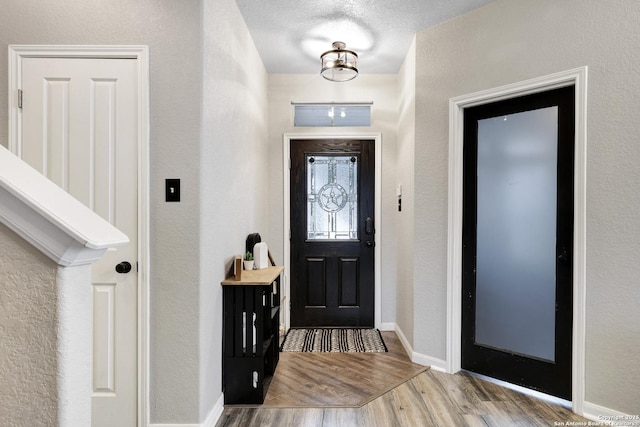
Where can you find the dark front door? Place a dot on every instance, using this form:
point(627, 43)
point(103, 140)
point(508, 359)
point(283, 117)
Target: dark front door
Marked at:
point(332, 232)
point(518, 240)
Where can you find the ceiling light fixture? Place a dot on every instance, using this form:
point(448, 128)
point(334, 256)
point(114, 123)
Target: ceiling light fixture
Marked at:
point(339, 64)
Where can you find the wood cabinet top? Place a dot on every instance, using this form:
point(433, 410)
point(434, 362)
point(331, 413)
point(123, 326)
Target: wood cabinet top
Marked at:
point(262, 277)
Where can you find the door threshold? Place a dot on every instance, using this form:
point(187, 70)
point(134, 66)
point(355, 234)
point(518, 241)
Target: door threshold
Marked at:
point(524, 390)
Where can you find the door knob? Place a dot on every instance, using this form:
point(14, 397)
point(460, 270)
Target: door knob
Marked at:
point(123, 267)
point(370, 243)
point(368, 226)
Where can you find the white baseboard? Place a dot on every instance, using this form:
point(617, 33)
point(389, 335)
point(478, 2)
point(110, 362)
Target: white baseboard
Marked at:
point(421, 359)
point(215, 414)
point(435, 363)
point(608, 416)
point(403, 339)
point(212, 418)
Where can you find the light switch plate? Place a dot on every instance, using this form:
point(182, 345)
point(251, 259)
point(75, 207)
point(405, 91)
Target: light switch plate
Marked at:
point(172, 190)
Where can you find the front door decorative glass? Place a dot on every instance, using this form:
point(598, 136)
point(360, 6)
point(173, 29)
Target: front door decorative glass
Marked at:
point(332, 197)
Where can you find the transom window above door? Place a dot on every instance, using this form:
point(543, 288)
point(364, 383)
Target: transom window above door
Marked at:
point(331, 115)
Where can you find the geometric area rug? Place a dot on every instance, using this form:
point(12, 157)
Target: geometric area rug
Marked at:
point(334, 340)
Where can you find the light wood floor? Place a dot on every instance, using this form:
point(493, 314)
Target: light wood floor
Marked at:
point(324, 380)
point(429, 398)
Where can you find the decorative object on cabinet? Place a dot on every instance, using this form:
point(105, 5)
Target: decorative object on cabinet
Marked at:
point(252, 240)
point(248, 261)
point(260, 254)
point(237, 268)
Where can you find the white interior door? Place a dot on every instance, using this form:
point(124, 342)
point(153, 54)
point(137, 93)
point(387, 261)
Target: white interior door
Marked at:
point(79, 128)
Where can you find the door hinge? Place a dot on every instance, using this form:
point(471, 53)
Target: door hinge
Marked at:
point(19, 98)
point(137, 267)
point(289, 163)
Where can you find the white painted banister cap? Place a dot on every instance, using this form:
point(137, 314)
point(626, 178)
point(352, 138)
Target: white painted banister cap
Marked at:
point(26, 195)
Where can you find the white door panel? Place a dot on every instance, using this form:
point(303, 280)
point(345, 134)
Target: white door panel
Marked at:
point(79, 128)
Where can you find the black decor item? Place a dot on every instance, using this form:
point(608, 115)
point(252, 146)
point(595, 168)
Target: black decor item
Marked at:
point(252, 239)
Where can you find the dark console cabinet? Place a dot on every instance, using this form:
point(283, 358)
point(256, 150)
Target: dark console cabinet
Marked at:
point(250, 344)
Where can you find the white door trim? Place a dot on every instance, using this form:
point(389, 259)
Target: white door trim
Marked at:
point(577, 77)
point(286, 162)
point(141, 55)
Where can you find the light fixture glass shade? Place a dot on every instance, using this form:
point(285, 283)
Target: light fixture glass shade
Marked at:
point(339, 64)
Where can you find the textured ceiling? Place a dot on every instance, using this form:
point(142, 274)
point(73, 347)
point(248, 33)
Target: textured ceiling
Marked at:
point(291, 34)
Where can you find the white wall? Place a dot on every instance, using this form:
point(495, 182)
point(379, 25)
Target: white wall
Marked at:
point(233, 171)
point(172, 30)
point(28, 322)
point(382, 90)
point(208, 108)
point(514, 40)
point(208, 128)
point(406, 175)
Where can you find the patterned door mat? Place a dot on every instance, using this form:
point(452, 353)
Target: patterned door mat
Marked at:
point(334, 340)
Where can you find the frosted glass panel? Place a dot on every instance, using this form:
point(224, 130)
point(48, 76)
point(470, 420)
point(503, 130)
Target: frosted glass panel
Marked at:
point(516, 232)
point(332, 115)
point(332, 197)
